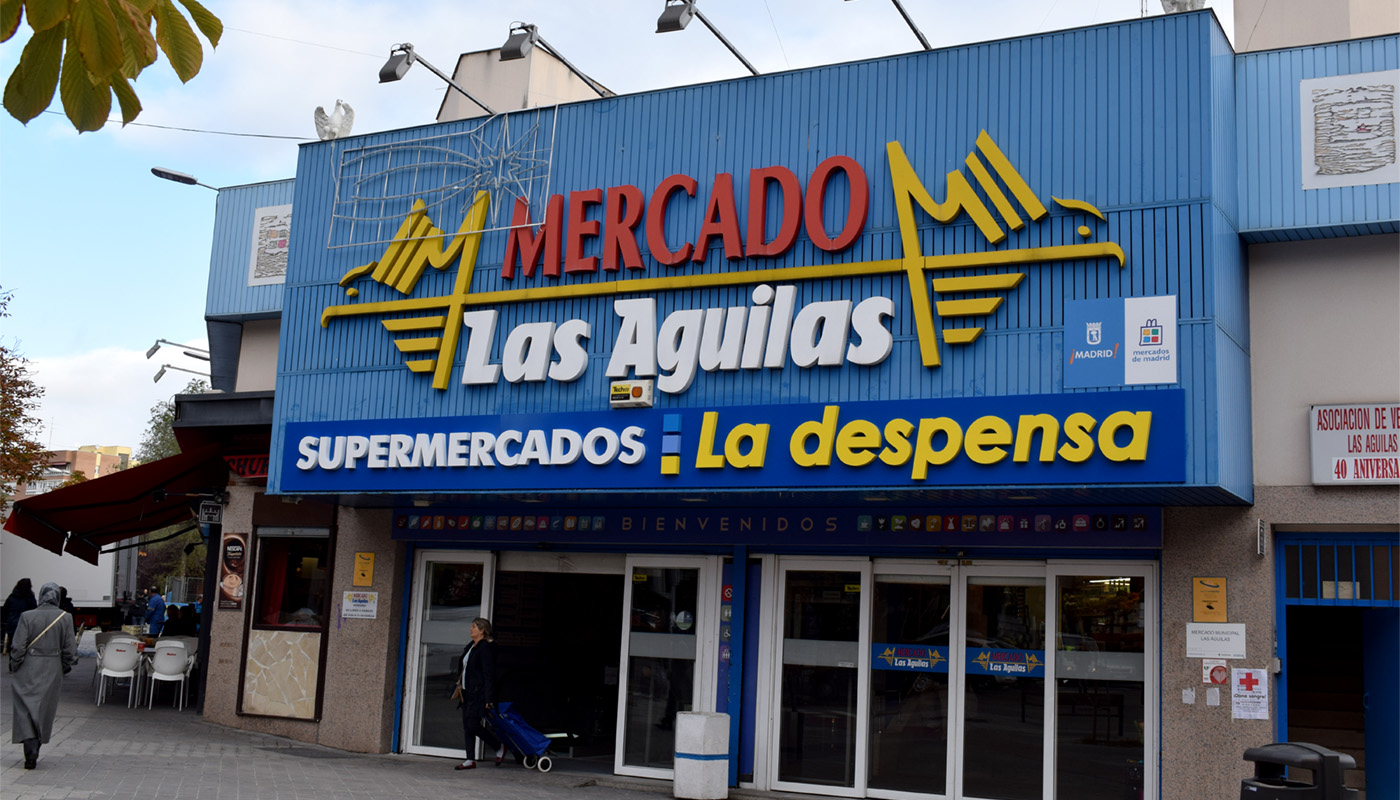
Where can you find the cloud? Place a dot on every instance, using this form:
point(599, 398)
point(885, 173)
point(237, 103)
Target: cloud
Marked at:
point(104, 396)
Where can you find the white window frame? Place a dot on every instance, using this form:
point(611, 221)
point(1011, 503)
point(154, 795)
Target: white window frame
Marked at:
point(409, 722)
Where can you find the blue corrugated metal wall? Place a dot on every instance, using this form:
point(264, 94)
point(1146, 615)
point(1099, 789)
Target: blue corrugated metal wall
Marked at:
point(1275, 206)
point(230, 296)
point(1128, 117)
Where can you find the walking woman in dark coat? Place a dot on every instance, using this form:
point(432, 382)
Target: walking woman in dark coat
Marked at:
point(476, 691)
point(42, 652)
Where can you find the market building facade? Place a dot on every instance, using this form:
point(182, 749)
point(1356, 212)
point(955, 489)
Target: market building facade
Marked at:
point(950, 353)
point(908, 411)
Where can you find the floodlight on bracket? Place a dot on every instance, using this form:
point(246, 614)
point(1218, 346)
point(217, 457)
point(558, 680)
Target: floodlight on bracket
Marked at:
point(523, 38)
point(403, 56)
point(678, 14)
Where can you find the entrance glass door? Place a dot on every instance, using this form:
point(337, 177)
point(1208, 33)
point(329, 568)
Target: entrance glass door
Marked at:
point(1105, 637)
point(822, 687)
point(912, 620)
point(668, 657)
point(917, 680)
point(450, 589)
point(1002, 726)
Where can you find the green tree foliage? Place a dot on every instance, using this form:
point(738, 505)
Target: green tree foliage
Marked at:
point(90, 50)
point(168, 559)
point(22, 457)
point(159, 439)
point(161, 560)
point(77, 477)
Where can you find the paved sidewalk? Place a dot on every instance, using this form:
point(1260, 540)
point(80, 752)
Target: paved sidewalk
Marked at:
point(116, 753)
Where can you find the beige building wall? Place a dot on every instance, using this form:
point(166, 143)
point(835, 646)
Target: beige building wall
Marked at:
point(538, 79)
point(1272, 24)
point(1325, 329)
point(257, 356)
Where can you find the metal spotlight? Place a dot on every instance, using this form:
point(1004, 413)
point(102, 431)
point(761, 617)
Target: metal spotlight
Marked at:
point(522, 40)
point(677, 15)
point(400, 59)
point(524, 37)
point(403, 56)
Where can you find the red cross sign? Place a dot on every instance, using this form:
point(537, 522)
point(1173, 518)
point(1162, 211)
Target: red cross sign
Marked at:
point(1248, 681)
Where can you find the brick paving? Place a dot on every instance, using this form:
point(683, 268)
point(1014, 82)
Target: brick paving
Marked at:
point(117, 753)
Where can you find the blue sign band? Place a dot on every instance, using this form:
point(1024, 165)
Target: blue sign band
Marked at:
point(1093, 438)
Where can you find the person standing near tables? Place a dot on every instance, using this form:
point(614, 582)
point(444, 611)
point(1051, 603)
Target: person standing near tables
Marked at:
point(155, 612)
point(43, 651)
point(21, 599)
point(476, 690)
point(136, 611)
point(65, 603)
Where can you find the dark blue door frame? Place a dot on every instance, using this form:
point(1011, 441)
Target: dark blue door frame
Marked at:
point(1362, 572)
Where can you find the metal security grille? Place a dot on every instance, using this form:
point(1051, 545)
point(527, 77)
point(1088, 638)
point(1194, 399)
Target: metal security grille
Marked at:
point(1354, 571)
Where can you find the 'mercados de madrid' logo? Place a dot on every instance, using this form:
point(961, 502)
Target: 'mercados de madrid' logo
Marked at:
point(428, 339)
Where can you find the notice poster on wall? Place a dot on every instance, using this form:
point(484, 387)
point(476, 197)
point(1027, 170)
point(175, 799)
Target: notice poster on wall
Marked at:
point(231, 551)
point(1250, 694)
point(1208, 599)
point(359, 605)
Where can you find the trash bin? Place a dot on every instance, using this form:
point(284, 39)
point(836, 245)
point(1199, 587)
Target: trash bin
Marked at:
point(1328, 768)
point(702, 756)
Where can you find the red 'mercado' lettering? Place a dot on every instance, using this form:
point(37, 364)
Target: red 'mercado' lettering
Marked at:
point(548, 246)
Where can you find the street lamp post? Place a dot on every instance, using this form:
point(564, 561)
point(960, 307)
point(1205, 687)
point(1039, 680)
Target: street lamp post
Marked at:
point(179, 177)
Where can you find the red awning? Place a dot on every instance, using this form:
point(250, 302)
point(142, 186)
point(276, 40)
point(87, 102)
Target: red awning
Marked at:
point(121, 505)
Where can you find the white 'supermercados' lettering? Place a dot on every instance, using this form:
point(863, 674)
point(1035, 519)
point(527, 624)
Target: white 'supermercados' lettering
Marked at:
point(508, 448)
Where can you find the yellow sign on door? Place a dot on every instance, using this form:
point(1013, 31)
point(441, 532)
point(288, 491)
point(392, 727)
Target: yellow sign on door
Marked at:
point(364, 569)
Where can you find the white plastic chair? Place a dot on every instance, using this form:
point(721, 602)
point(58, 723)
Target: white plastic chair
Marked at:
point(170, 661)
point(103, 638)
point(120, 659)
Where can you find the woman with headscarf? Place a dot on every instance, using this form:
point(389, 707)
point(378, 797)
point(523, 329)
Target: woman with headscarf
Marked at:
point(42, 651)
point(476, 690)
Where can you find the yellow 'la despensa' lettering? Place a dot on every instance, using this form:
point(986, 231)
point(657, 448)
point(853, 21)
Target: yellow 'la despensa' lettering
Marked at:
point(940, 440)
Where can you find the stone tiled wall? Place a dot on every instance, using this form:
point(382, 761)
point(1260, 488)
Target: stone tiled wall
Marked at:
point(1203, 746)
point(361, 655)
point(281, 674)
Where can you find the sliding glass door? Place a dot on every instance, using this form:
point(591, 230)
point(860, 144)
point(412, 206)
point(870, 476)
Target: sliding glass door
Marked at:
point(450, 589)
point(973, 680)
point(668, 657)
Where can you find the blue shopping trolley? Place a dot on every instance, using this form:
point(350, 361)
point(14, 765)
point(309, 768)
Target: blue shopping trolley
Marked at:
point(529, 744)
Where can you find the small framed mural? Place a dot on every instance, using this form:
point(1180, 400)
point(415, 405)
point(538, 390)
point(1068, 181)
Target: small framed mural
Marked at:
point(1348, 130)
point(272, 227)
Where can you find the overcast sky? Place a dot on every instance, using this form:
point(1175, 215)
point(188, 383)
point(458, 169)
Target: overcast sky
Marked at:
point(104, 258)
